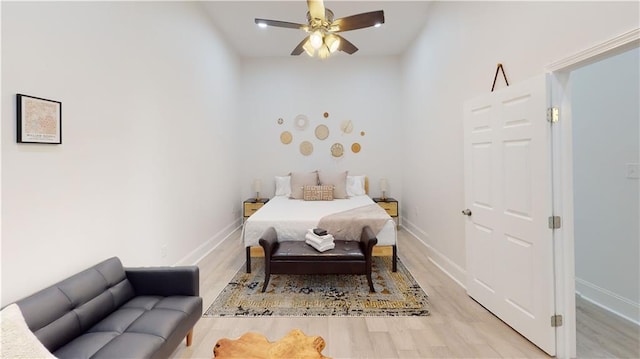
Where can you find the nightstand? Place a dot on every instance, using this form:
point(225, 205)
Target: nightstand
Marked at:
point(251, 205)
point(390, 205)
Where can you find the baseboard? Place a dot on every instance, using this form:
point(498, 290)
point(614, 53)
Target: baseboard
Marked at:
point(212, 243)
point(608, 300)
point(446, 265)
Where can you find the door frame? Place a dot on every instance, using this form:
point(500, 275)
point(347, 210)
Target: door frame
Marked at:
point(562, 173)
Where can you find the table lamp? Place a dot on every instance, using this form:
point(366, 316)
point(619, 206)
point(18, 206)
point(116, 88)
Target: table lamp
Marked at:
point(257, 186)
point(384, 187)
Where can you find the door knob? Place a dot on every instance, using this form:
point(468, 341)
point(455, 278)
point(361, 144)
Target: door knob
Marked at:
point(467, 212)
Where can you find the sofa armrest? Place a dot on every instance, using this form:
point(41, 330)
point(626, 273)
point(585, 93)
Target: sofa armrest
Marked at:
point(165, 281)
point(367, 241)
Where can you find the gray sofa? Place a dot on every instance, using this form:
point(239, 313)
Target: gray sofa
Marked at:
point(107, 311)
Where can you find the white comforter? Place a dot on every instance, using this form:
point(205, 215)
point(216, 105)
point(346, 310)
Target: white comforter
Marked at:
point(291, 218)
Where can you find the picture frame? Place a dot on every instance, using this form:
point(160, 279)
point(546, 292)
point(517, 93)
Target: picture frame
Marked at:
point(38, 120)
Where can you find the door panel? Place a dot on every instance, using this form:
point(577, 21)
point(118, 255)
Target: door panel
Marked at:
point(508, 189)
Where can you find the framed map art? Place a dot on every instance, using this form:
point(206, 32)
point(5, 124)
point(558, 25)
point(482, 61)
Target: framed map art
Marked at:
point(39, 120)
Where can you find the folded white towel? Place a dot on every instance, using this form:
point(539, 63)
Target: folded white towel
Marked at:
point(321, 248)
point(319, 241)
point(326, 236)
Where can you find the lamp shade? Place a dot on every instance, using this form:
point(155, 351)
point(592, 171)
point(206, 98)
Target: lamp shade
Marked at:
point(316, 39)
point(384, 185)
point(332, 42)
point(257, 185)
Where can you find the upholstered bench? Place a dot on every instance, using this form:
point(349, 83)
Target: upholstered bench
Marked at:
point(297, 257)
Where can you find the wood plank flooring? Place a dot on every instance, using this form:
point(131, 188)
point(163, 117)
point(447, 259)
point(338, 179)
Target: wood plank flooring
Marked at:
point(457, 328)
point(600, 334)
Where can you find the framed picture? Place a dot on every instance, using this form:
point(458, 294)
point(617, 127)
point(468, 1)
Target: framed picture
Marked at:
point(39, 120)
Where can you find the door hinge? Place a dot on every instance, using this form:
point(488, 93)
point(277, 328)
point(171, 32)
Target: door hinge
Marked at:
point(555, 222)
point(553, 114)
point(556, 320)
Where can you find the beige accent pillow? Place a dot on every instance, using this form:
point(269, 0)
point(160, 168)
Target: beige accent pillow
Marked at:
point(301, 179)
point(336, 179)
point(318, 193)
point(16, 340)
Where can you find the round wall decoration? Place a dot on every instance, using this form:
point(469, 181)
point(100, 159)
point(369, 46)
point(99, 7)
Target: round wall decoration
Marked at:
point(301, 122)
point(286, 137)
point(322, 132)
point(326, 114)
point(337, 150)
point(306, 148)
point(280, 121)
point(355, 147)
point(361, 133)
point(346, 126)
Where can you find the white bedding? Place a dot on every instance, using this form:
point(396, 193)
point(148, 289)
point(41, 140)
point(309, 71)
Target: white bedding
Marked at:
point(291, 218)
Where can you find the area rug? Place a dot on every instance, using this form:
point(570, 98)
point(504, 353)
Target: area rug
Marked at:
point(397, 294)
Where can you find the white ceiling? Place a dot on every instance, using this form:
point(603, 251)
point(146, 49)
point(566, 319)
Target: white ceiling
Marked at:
point(235, 19)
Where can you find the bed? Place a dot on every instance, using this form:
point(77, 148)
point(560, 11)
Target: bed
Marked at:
point(292, 218)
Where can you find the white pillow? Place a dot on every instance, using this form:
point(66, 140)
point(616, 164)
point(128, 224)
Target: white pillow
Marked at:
point(355, 186)
point(16, 340)
point(283, 186)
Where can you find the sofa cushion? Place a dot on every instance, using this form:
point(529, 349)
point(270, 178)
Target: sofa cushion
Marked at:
point(142, 326)
point(65, 310)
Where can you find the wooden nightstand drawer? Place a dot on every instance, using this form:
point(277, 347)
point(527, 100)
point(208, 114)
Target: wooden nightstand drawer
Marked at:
point(388, 204)
point(390, 207)
point(250, 208)
point(251, 205)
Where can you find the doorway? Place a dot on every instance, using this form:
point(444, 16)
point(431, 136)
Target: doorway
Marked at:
point(605, 134)
point(573, 200)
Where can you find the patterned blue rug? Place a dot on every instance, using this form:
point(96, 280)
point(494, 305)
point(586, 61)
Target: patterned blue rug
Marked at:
point(397, 294)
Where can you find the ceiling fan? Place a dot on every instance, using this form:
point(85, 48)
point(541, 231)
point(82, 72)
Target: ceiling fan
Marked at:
point(323, 38)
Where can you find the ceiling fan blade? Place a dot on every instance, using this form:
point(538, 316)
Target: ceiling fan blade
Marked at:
point(359, 21)
point(346, 46)
point(300, 48)
point(316, 9)
point(277, 23)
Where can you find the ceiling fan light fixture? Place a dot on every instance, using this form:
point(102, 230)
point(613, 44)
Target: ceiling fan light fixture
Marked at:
point(308, 48)
point(332, 42)
point(377, 24)
point(316, 39)
point(262, 25)
point(324, 52)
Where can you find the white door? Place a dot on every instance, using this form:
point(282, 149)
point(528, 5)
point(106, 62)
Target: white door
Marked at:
point(509, 247)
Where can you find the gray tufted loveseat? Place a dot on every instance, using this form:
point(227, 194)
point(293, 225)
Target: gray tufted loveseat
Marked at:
point(107, 311)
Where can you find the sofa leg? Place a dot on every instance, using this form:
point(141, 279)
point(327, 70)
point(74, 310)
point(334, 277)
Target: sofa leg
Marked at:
point(190, 337)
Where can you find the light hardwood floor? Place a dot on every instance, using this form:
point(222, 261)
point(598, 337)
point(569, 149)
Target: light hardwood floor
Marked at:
point(601, 334)
point(457, 328)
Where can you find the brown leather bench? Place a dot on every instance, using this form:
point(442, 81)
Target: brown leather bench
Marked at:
point(297, 257)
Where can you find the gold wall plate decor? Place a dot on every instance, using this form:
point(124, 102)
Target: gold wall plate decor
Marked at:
point(326, 114)
point(337, 150)
point(301, 122)
point(346, 126)
point(306, 148)
point(355, 147)
point(361, 133)
point(286, 137)
point(322, 132)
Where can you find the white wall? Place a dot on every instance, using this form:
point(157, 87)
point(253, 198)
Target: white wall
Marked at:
point(361, 89)
point(605, 118)
point(453, 60)
point(149, 93)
